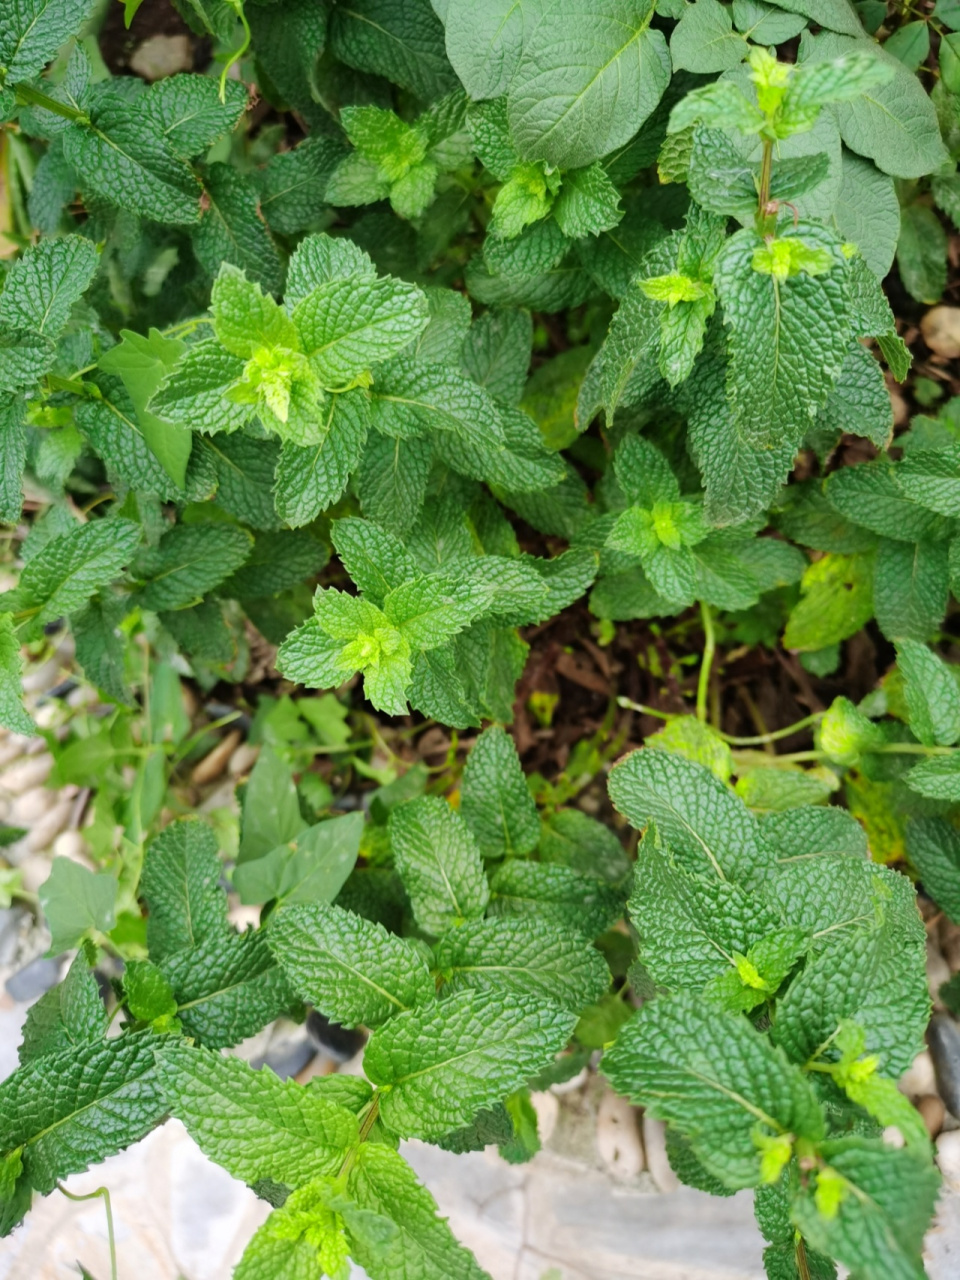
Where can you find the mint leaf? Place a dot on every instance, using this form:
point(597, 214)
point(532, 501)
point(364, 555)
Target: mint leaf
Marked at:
point(788, 338)
point(439, 863)
point(525, 956)
point(885, 1199)
point(142, 365)
point(704, 825)
point(73, 1109)
point(910, 588)
point(32, 31)
point(447, 1060)
point(120, 157)
point(568, 900)
point(376, 560)
point(194, 393)
point(933, 847)
point(12, 713)
point(484, 44)
point(180, 882)
point(189, 561)
point(75, 902)
point(351, 969)
point(290, 1134)
point(716, 1079)
point(232, 231)
point(403, 42)
point(932, 694)
point(312, 478)
point(42, 286)
point(271, 810)
point(494, 799)
point(346, 326)
point(68, 1016)
point(188, 112)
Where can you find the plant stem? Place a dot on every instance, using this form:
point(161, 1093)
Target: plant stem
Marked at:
point(709, 649)
point(92, 1195)
point(27, 96)
point(803, 1270)
point(761, 738)
point(766, 168)
point(643, 710)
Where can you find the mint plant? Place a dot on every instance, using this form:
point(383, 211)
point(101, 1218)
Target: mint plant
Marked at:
point(384, 339)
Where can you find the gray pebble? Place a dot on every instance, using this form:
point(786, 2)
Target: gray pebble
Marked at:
point(943, 1038)
point(34, 979)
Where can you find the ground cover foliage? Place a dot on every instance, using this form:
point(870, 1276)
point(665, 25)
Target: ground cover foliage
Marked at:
point(388, 341)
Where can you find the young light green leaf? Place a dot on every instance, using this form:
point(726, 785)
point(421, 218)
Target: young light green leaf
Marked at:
point(347, 326)
point(76, 901)
point(142, 365)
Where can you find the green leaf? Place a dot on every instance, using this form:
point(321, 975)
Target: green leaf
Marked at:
point(787, 338)
point(189, 112)
point(303, 1237)
point(574, 99)
point(893, 123)
point(871, 495)
point(937, 777)
point(73, 1109)
point(572, 839)
point(689, 925)
point(289, 1134)
point(494, 799)
point(440, 864)
point(227, 988)
point(401, 41)
point(859, 401)
point(31, 32)
point(142, 365)
point(764, 24)
point(194, 393)
point(189, 561)
point(704, 824)
point(447, 1060)
point(12, 713)
point(180, 883)
point(147, 991)
point(836, 601)
point(714, 1077)
point(910, 589)
point(834, 15)
point(431, 610)
point(420, 1245)
point(76, 901)
point(525, 956)
point(231, 229)
point(932, 694)
point(830, 989)
point(42, 286)
point(588, 203)
point(349, 968)
point(347, 326)
point(310, 867)
point(886, 1198)
point(120, 157)
point(933, 847)
point(26, 357)
point(271, 811)
point(312, 478)
point(566, 899)
point(484, 43)
point(70, 1015)
point(867, 212)
point(294, 183)
point(704, 39)
point(376, 560)
point(922, 253)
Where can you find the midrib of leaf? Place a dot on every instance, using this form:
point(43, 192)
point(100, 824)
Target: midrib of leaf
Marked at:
point(732, 1094)
point(600, 71)
point(86, 1107)
point(23, 39)
point(222, 991)
point(360, 17)
point(337, 960)
point(215, 208)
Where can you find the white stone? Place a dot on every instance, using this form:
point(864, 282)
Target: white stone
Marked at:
point(71, 844)
point(43, 833)
point(618, 1137)
point(919, 1078)
point(30, 806)
point(655, 1148)
point(26, 774)
point(215, 762)
point(548, 1109)
point(243, 759)
point(948, 1157)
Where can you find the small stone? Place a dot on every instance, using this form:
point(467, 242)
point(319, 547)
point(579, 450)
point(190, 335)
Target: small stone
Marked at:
point(919, 1078)
point(34, 979)
point(71, 844)
point(547, 1107)
point(12, 920)
point(655, 1147)
point(34, 869)
point(288, 1052)
point(618, 1138)
point(243, 916)
point(243, 759)
point(938, 972)
point(941, 331)
point(43, 678)
point(943, 1037)
point(13, 746)
point(44, 832)
point(29, 807)
point(212, 765)
point(162, 55)
point(26, 774)
point(948, 1157)
point(933, 1113)
point(892, 1136)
